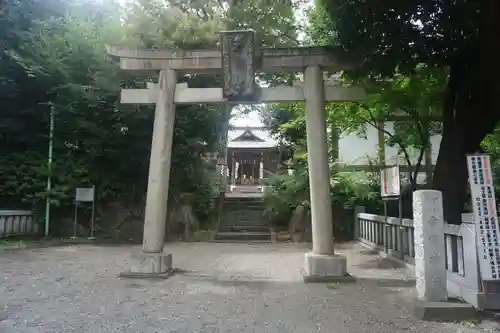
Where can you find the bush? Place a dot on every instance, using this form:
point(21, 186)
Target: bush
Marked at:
point(348, 189)
point(351, 189)
point(284, 193)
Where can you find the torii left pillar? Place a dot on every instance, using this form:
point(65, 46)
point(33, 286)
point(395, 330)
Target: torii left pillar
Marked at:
point(152, 261)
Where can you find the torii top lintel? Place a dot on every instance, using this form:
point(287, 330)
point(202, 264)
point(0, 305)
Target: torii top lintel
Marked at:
point(268, 60)
point(237, 59)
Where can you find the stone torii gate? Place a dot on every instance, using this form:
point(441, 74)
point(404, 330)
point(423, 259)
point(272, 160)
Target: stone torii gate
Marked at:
point(238, 61)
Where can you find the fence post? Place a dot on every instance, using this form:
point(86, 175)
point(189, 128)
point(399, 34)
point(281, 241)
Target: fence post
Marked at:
point(357, 210)
point(471, 264)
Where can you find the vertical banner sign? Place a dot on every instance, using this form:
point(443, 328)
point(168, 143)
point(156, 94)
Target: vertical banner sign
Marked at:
point(390, 185)
point(485, 216)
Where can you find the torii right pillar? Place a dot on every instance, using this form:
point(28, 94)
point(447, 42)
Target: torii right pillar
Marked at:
point(321, 265)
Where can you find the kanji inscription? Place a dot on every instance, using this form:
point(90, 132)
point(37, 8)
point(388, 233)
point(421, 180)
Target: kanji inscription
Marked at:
point(237, 52)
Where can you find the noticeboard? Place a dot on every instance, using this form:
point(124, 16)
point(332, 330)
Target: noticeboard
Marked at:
point(485, 216)
point(85, 194)
point(390, 184)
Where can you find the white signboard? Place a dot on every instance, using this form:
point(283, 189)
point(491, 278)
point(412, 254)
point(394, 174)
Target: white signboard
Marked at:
point(485, 216)
point(84, 194)
point(389, 182)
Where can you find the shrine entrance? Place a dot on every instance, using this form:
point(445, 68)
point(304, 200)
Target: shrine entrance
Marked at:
point(248, 170)
point(239, 61)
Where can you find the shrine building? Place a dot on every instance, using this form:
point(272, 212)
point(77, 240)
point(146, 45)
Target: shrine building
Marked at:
point(253, 157)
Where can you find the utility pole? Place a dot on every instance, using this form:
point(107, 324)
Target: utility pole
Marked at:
point(49, 169)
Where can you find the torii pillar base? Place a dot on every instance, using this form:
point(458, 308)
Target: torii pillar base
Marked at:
point(149, 266)
point(325, 268)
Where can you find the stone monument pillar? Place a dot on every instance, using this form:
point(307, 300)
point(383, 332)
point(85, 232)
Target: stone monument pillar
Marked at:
point(321, 264)
point(152, 261)
point(430, 264)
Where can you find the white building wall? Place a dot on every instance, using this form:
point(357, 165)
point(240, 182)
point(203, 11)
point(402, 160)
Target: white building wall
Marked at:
point(360, 149)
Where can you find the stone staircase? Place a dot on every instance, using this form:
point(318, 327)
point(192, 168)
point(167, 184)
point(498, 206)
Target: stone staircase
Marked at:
point(242, 220)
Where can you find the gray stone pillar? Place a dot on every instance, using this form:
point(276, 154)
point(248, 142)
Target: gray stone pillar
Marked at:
point(321, 264)
point(152, 260)
point(430, 265)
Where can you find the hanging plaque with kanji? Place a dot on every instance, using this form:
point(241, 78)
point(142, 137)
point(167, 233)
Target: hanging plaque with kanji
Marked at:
point(238, 64)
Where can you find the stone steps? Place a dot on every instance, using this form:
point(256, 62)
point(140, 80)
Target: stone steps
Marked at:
point(243, 221)
point(232, 241)
point(243, 205)
point(243, 228)
point(243, 211)
point(243, 236)
point(235, 208)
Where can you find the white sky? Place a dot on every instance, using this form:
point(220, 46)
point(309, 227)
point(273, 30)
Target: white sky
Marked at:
point(250, 119)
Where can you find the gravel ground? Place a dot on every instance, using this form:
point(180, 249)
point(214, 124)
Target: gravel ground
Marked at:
point(220, 288)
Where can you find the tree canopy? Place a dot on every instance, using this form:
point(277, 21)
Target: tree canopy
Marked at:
point(54, 57)
point(454, 37)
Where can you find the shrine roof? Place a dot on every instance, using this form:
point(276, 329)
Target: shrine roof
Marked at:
point(250, 137)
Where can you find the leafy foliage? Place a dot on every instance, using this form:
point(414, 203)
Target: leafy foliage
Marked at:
point(287, 191)
point(53, 52)
point(355, 189)
point(64, 58)
point(456, 38)
point(491, 145)
point(412, 102)
point(284, 194)
point(413, 98)
point(286, 122)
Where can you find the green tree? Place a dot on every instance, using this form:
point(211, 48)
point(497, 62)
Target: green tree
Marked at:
point(54, 52)
point(64, 60)
point(412, 102)
point(456, 37)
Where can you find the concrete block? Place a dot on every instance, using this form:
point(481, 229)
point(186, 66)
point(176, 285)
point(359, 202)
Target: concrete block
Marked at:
point(450, 311)
point(149, 265)
point(326, 268)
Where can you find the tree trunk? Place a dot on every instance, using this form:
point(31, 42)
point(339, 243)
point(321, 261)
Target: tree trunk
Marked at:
point(470, 112)
point(450, 177)
point(462, 135)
